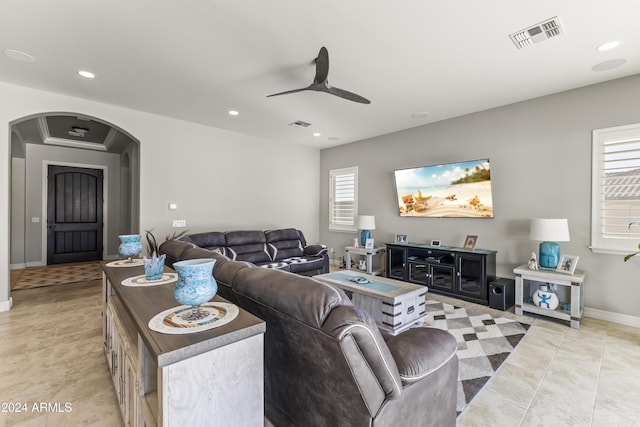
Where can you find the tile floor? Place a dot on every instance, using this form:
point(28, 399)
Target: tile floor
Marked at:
point(557, 376)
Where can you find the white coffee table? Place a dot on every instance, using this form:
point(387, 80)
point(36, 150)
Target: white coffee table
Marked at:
point(394, 305)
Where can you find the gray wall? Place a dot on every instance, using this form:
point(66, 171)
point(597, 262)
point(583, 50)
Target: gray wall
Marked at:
point(220, 180)
point(540, 152)
point(18, 153)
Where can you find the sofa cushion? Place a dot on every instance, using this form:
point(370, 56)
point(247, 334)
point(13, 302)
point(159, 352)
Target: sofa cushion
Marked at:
point(174, 250)
point(197, 252)
point(284, 243)
point(213, 240)
point(248, 246)
point(420, 351)
point(307, 300)
point(225, 272)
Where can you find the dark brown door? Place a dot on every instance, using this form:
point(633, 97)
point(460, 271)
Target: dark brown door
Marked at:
point(74, 214)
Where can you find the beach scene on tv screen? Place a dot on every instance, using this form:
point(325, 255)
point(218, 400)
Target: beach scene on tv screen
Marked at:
point(460, 189)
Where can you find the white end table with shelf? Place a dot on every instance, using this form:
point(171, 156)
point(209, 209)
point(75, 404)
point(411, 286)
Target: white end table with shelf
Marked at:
point(374, 267)
point(574, 282)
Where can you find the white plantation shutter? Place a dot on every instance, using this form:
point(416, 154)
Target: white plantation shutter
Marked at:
point(615, 210)
point(343, 199)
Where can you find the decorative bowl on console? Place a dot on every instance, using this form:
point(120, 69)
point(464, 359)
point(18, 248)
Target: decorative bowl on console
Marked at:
point(130, 246)
point(154, 267)
point(195, 285)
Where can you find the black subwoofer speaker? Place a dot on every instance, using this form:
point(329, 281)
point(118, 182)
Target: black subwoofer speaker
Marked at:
point(501, 294)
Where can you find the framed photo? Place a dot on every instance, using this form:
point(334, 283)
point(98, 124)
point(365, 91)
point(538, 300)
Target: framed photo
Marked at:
point(567, 264)
point(470, 242)
point(435, 243)
point(401, 238)
point(368, 244)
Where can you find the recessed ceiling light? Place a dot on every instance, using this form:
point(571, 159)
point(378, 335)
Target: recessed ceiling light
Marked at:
point(420, 115)
point(233, 112)
point(316, 134)
point(608, 45)
point(87, 74)
point(17, 55)
point(608, 65)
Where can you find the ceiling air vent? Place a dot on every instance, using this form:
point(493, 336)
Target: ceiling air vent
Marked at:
point(300, 124)
point(537, 33)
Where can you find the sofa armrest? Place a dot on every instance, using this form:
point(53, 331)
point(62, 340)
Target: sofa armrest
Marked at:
point(315, 250)
point(421, 351)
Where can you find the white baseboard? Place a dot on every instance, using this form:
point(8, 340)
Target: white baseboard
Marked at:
point(623, 319)
point(19, 266)
point(35, 264)
point(6, 305)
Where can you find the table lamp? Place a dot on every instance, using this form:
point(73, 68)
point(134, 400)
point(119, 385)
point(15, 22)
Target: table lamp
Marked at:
point(366, 223)
point(549, 232)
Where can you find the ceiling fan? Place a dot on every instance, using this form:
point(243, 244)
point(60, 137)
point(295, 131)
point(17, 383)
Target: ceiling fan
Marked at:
point(320, 83)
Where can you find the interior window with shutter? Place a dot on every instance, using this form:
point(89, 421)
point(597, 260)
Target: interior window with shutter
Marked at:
point(615, 193)
point(343, 199)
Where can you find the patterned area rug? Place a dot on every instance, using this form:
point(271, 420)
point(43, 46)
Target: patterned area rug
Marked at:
point(484, 342)
point(35, 277)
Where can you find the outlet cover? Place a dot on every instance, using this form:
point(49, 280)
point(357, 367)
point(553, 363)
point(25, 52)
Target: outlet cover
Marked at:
point(177, 223)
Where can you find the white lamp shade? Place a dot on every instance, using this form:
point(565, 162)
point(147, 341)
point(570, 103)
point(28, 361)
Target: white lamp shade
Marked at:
point(549, 230)
point(366, 222)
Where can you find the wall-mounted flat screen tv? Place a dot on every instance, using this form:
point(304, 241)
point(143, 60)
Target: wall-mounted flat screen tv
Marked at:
point(461, 189)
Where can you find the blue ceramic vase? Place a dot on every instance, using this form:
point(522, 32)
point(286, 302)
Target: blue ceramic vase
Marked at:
point(130, 245)
point(195, 285)
point(154, 267)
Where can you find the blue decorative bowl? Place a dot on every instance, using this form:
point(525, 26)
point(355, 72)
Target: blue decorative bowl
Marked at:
point(130, 245)
point(195, 284)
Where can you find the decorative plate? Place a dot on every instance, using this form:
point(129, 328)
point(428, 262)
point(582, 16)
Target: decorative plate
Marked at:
point(125, 263)
point(142, 280)
point(171, 322)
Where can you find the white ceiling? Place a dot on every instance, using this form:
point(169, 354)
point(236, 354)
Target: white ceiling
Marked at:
point(197, 59)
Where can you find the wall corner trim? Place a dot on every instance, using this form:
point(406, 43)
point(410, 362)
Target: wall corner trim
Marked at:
point(6, 305)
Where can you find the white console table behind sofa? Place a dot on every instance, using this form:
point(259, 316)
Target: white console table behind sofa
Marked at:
point(214, 377)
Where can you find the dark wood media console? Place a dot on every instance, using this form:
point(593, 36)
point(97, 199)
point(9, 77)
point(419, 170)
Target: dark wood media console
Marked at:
point(446, 270)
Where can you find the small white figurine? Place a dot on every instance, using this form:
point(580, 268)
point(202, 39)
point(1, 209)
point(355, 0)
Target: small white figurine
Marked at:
point(533, 262)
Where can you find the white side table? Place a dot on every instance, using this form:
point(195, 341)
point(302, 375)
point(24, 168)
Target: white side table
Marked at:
point(574, 282)
point(375, 266)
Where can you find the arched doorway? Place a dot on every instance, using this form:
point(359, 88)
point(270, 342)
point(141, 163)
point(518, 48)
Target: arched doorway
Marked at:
point(78, 142)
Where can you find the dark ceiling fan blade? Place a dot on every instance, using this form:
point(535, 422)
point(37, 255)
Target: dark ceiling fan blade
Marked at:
point(321, 84)
point(322, 66)
point(346, 94)
point(289, 91)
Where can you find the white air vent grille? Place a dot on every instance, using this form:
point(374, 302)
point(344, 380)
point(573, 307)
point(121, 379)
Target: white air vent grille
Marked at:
point(300, 124)
point(537, 33)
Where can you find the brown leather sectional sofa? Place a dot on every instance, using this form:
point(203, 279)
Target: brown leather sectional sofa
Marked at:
point(326, 362)
point(283, 249)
